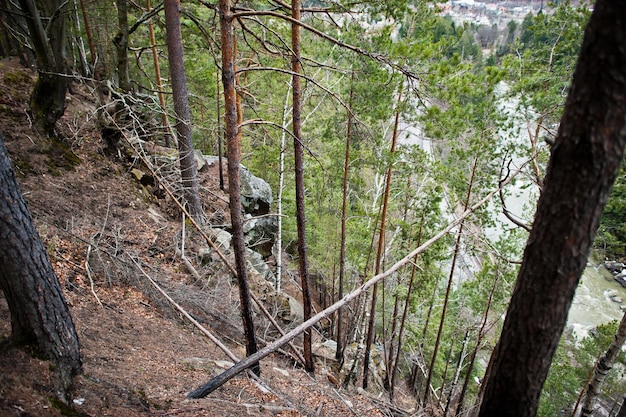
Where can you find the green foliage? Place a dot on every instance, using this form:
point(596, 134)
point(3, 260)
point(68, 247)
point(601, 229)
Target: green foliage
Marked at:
point(611, 235)
point(572, 364)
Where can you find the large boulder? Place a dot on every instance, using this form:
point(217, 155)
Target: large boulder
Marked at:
point(256, 194)
point(256, 199)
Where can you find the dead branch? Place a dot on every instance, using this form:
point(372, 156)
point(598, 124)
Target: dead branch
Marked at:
point(206, 332)
point(225, 376)
point(505, 211)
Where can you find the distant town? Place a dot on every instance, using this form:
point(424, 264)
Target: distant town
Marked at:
point(494, 12)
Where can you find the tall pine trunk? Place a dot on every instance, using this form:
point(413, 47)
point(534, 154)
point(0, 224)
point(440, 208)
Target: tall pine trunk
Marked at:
point(234, 187)
point(342, 246)
point(457, 247)
point(187, 160)
point(299, 168)
point(159, 82)
point(381, 244)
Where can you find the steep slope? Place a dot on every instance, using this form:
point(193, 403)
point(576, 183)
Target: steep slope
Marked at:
point(140, 355)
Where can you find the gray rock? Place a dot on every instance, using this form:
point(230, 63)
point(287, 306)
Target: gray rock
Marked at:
point(261, 234)
point(256, 194)
point(258, 265)
point(201, 162)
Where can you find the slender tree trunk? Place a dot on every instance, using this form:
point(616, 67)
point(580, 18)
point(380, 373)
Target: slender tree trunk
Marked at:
point(187, 160)
point(281, 186)
point(405, 311)
point(47, 102)
point(159, 81)
point(220, 136)
point(299, 168)
point(80, 44)
point(381, 244)
point(583, 165)
point(234, 187)
point(95, 67)
point(479, 341)
point(603, 366)
point(342, 246)
point(444, 310)
point(457, 374)
point(121, 45)
point(39, 313)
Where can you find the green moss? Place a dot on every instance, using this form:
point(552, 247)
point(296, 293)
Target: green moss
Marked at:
point(16, 78)
point(61, 157)
point(23, 166)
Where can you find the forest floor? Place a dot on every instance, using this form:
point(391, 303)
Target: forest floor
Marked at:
point(140, 355)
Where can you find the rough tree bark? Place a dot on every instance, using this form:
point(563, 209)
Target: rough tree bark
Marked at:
point(188, 169)
point(583, 166)
point(39, 314)
point(603, 366)
point(47, 102)
point(299, 169)
point(234, 188)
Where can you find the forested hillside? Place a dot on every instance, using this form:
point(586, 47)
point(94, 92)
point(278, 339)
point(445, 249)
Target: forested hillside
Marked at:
point(364, 198)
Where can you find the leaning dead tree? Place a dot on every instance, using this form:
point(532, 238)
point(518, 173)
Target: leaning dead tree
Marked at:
point(225, 376)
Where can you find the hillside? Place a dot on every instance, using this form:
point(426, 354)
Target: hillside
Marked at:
point(140, 354)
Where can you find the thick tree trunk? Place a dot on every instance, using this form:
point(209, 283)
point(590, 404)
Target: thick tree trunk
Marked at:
point(188, 169)
point(39, 314)
point(234, 188)
point(299, 169)
point(47, 102)
point(584, 163)
point(603, 366)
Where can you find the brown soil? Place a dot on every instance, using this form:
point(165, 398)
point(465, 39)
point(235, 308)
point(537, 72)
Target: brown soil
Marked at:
point(140, 356)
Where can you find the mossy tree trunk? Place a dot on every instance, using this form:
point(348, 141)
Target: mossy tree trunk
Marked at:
point(47, 103)
point(121, 46)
